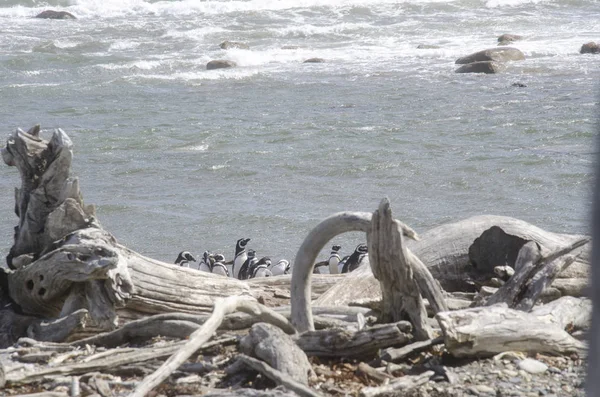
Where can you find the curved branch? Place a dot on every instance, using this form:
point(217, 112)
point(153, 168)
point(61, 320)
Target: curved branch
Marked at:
point(336, 224)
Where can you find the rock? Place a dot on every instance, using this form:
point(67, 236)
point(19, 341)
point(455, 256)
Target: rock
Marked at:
point(590, 48)
point(220, 64)
point(493, 54)
point(314, 60)
point(290, 47)
point(519, 84)
point(508, 38)
point(481, 67)
point(50, 14)
point(270, 344)
point(427, 47)
point(532, 366)
point(233, 44)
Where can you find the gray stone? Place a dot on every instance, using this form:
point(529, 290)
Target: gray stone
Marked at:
point(486, 67)
point(532, 366)
point(220, 64)
point(508, 38)
point(233, 44)
point(590, 48)
point(314, 60)
point(493, 54)
point(50, 14)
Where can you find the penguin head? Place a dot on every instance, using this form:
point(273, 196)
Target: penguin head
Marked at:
point(219, 258)
point(206, 256)
point(241, 243)
point(361, 249)
point(251, 254)
point(265, 260)
point(185, 256)
point(336, 248)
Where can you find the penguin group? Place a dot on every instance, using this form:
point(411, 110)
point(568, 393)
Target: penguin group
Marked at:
point(244, 266)
point(336, 264)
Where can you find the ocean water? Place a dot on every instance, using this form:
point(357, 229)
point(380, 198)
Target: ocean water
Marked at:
point(178, 157)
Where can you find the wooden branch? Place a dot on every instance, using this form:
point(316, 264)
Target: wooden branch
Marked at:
point(533, 273)
point(278, 376)
point(364, 342)
point(391, 265)
point(199, 337)
point(566, 312)
point(485, 331)
point(397, 354)
point(307, 254)
point(403, 384)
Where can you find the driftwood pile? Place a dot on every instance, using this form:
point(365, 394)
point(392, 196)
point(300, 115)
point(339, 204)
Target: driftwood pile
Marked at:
point(83, 315)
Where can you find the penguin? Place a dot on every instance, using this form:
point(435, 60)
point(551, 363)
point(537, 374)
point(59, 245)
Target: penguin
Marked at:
point(260, 268)
point(288, 266)
point(219, 266)
point(334, 260)
point(240, 257)
point(356, 259)
point(279, 268)
point(251, 260)
point(184, 258)
point(205, 262)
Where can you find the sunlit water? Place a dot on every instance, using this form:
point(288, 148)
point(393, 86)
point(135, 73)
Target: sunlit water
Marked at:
point(178, 157)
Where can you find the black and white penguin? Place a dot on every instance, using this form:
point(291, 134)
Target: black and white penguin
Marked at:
point(279, 268)
point(206, 262)
point(288, 266)
point(219, 266)
point(184, 258)
point(260, 268)
point(334, 260)
point(251, 261)
point(240, 257)
point(356, 259)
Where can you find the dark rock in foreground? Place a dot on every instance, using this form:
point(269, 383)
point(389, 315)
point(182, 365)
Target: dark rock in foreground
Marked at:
point(50, 14)
point(508, 38)
point(488, 67)
point(233, 44)
point(314, 60)
point(220, 64)
point(590, 48)
point(493, 54)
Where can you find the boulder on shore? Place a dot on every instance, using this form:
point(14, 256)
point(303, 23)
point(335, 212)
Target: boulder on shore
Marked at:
point(590, 48)
point(488, 67)
point(220, 64)
point(428, 47)
point(233, 44)
point(50, 14)
point(493, 54)
point(508, 38)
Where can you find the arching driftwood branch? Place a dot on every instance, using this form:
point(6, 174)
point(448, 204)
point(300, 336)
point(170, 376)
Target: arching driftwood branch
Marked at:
point(339, 223)
point(385, 247)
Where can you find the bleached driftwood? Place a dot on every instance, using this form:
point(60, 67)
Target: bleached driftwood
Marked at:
point(392, 266)
point(396, 354)
point(356, 221)
point(534, 272)
point(278, 376)
point(566, 312)
point(445, 252)
point(485, 331)
point(402, 384)
point(222, 307)
point(346, 343)
point(273, 346)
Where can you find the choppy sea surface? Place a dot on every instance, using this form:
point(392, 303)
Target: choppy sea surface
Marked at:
point(177, 157)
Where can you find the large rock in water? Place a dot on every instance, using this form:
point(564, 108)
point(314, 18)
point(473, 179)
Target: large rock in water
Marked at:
point(508, 38)
point(50, 14)
point(502, 54)
point(233, 44)
point(220, 64)
point(488, 67)
point(590, 48)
